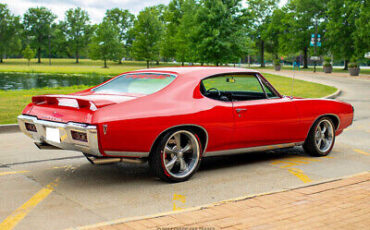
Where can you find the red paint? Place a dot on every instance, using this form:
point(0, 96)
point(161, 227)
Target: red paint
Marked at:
point(135, 121)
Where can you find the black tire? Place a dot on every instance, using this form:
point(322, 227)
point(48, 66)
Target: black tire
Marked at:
point(311, 145)
point(157, 163)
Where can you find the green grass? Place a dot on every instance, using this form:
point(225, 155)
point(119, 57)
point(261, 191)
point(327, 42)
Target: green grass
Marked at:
point(68, 66)
point(13, 102)
point(88, 66)
point(301, 88)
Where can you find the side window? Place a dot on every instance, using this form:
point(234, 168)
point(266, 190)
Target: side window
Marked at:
point(233, 88)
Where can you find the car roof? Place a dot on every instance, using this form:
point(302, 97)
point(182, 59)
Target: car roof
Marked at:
point(198, 72)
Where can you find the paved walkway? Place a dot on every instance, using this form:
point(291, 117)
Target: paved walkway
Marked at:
point(341, 204)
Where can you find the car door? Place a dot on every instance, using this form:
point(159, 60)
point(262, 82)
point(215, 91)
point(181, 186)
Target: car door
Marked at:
point(262, 118)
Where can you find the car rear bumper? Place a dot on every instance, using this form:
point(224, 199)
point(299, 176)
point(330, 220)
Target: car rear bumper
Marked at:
point(66, 141)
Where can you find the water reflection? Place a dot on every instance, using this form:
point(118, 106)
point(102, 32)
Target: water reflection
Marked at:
point(16, 81)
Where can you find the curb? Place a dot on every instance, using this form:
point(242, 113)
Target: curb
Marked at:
point(12, 128)
point(334, 95)
point(201, 207)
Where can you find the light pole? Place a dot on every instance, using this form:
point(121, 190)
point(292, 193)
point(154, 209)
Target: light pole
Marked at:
point(315, 42)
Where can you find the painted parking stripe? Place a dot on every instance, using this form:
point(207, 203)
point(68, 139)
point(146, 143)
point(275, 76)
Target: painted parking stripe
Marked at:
point(361, 152)
point(300, 175)
point(65, 167)
point(11, 221)
point(13, 172)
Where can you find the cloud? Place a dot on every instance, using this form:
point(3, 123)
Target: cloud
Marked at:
point(95, 8)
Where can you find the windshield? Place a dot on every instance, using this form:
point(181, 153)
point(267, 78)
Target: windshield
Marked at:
point(136, 83)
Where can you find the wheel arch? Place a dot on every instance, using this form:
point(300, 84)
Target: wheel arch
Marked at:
point(333, 117)
point(197, 129)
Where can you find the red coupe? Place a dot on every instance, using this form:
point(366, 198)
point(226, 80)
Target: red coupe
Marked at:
point(173, 117)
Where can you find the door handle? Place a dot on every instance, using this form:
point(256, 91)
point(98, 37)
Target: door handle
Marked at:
point(240, 110)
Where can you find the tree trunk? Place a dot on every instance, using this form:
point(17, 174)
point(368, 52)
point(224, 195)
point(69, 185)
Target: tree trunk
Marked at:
point(1, 59)
point(77, 56)
point(157, 63)
point(249, 60)
point(120, 61)
point(262, 53)
point(39, 55)
point(147, 64)
point(216, 63)
point(202, 64)
point(345, 64)
point(305, 58)
point(105, 63)
point(182, 63)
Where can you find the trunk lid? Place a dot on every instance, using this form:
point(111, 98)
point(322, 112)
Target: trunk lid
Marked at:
point(73, 108)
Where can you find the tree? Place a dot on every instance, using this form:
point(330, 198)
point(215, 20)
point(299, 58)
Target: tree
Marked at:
point(147, 30)
point(10, 30)
point(124, 21)
point(60, 47)
point(260, 12)
point(77, 30)
point(302, 18)
point(184, 27)
point(172, 16)
point(105, 44)
point(361, 35)
point(28, 53)
point(38, 24)
point(341, 28)
point(273, 33)
point(219, 32)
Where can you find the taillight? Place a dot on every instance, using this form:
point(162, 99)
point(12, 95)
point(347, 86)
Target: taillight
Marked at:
point(31, 127)
point(79, 136)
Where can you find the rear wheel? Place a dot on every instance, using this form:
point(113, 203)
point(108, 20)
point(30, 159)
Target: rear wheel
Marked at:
point(321, 138)
point(177, 157)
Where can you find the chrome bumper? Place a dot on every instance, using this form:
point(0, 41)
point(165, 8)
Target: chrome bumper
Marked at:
point(66, 140)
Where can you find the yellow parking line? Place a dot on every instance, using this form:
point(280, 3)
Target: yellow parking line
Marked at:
point(300, 174)
point(12, 172)
point(11, 221)
point(361, 152)
point(178, 198)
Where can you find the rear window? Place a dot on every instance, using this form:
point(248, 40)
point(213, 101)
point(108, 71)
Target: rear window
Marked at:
point(137, 83)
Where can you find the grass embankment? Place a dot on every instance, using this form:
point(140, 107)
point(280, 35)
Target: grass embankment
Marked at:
point(87, 66)
point(13, 102)
point(301, 88)
point(68, 66)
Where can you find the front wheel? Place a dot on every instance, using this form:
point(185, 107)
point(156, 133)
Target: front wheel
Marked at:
point(177, 157)
point(321, 138)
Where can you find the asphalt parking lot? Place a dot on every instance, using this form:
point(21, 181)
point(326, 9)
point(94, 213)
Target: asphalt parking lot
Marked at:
point(60, 189)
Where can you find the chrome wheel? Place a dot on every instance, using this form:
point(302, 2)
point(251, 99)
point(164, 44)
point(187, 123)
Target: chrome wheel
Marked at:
point(324, 134)
point(181, 153)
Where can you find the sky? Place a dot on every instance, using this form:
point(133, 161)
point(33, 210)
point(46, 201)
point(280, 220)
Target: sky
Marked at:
point(95, 8)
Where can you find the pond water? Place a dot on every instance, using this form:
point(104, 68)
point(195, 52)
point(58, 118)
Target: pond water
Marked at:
point(16, 81)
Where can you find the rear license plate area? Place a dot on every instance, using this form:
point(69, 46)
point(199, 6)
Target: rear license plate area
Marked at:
point(52, 134)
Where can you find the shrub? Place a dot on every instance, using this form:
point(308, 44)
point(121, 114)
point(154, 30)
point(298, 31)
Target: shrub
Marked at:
point(353, 63)
point(277, 62)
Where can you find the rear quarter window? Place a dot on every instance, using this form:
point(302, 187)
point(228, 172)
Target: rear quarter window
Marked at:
point(136, 83)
